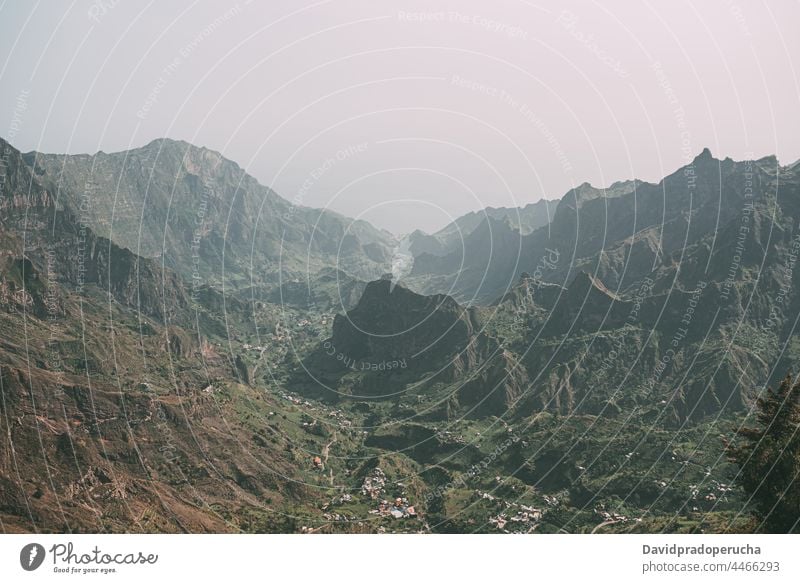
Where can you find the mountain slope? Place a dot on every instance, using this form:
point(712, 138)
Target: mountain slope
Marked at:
point(118, 405)
point(620, 234)
point(204, 216)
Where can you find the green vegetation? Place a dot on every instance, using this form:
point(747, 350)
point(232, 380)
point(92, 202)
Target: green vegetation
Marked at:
point(593, 394)
point(768, 457)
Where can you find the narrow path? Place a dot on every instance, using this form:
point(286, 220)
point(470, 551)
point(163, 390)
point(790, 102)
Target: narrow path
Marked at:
point(258, 362)
point(326, 453)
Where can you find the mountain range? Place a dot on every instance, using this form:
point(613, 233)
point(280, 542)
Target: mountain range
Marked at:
point(184, 350)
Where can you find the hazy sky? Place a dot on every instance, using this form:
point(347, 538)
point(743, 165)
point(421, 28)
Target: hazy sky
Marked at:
point(409, 113)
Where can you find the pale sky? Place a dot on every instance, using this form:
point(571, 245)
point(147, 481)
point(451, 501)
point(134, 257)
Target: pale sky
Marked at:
point(409, 113)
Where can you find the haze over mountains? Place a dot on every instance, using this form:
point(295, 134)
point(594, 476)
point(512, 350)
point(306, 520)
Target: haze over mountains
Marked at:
point(199, 354)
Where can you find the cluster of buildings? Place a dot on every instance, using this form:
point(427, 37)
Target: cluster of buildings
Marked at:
point(374, 484)
point(338, 500)
point(515, 514)
point(610, 516)
point(400, 508)
point(551, 500)
point(339, 416)
point(449, 437)
point(295, 400)
point(524, 516)
point(256, 348)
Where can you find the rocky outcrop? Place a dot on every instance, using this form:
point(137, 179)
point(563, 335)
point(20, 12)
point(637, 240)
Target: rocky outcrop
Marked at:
point(391, 322)
point(394, 338)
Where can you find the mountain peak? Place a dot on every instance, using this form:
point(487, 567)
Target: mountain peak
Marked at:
point(167, 143)
point(770, 161)
point(163, 146)
point(705, 155)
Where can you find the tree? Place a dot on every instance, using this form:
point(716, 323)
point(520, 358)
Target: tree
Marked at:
point(768, 457)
